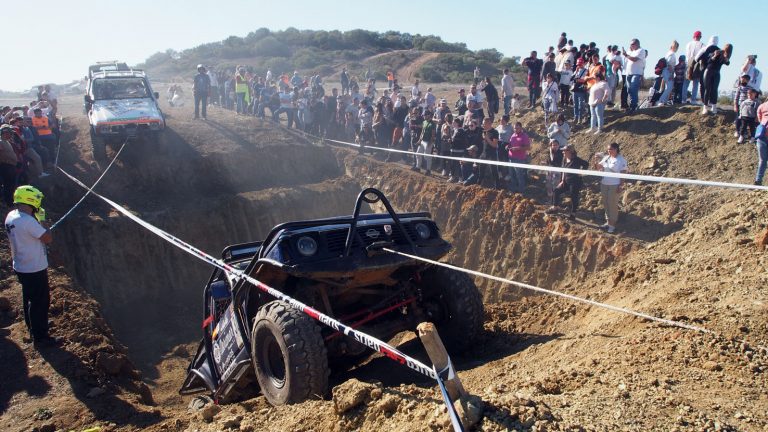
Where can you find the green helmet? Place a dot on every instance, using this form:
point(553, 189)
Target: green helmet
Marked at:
point(29, 195)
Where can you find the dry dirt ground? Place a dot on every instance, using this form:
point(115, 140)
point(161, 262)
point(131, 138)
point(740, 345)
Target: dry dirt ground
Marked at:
point(123, 298)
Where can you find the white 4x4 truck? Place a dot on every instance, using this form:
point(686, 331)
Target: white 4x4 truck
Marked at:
point(121, 104)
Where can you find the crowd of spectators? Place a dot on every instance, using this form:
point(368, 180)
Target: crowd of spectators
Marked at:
point(29, 135)
point(569, 81)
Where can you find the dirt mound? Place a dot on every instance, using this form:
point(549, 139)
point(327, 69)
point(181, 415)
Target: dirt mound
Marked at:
point(682, 253)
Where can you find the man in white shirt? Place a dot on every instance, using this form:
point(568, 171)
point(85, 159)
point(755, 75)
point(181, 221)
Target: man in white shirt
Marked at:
point(507, 90)
point(635, 69)
point(415, 91)
point(28, 239)
point(755, 76)
point(610, 187)
point(691, 50)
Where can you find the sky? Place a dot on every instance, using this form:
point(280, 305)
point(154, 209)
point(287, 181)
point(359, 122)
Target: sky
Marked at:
point(67, 36)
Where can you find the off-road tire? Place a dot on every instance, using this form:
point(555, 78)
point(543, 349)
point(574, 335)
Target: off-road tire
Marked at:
point(459, 320)
point(288, 354)
point(99, 147)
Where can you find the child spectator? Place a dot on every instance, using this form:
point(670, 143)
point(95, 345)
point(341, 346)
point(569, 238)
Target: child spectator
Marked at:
point(747, 116)
point(741, 94)
point(680, 70)
point(550, 95)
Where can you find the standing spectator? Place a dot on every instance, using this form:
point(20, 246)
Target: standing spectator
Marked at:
point(747, 116)
point(242, 98)
point(8, 163)
point(28, 239)
point(711, 78)
point(702, 59)
point(476, 75)
point(610, 187)
point(534, 66)
point(554, 159)
point(679, 80)
point(562, 40)
point(549, 96)
point(415, 91)
point(201, 88)
point(635, 68)
point(214, 94)
point(566, 78)
point(518, 147)
point(461, 104)
point(459, 144)
point(691, 51)
point(430, 100)
point(390, 79)
point(492, 97)
point(569, 183)
point(550, 67)
point(668, 73)
point(579, 91)
point(761, 139)
point(505, 132)
point(507, 89)
point(491, 145)
point(563, 57)
point(755, 76)
point(415, 124)
point(740, 95)
point(398, 119)
point(598, 95)
point(559, 131)
point(426, 142)
point(474, 102)
point(44, 133)
point(344, 82)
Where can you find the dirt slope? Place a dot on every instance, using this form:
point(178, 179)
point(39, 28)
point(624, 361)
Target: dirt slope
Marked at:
point(682, 253)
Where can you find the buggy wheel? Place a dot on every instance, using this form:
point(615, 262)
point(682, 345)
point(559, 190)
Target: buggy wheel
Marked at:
point(455, 306)
point(288, 355)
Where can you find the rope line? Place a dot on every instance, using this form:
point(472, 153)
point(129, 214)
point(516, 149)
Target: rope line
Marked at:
point(88, 192)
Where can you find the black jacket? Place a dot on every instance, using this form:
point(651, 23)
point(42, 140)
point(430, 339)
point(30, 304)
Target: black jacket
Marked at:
point(575, 163)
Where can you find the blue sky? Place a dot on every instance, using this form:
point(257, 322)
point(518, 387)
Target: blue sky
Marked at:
point(61, 38)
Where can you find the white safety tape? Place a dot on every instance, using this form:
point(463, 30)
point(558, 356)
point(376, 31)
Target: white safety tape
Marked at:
point(555, 293)
point(88, 192)
point(647, 178)
point(523, 285)
point(367, 340)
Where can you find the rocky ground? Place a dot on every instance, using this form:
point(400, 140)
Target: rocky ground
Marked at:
point(688, 253)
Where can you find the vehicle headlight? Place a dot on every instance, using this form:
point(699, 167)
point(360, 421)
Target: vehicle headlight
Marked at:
point(307, 246)
point(423, 231)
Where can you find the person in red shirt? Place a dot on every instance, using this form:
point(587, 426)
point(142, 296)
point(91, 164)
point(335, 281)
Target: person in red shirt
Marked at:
point(518, 147)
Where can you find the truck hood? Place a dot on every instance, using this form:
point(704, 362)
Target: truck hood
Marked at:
point(124, 111)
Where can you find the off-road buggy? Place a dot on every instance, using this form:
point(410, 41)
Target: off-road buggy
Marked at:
point(336, 266)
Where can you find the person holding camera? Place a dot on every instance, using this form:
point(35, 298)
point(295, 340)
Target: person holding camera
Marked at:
point(755, 76)
point(610, 187)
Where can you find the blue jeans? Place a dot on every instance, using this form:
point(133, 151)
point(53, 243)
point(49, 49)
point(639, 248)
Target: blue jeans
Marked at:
point(762, 159)
point(507, 104)
point(519, 177)
point(666, 75)
point(240, 99)
point(579, 100)
point(634, 89)
point(597, 112)
point(684, 91)
point(694, 91)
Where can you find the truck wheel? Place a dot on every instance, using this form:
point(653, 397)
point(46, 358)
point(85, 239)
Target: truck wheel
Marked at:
point(288, 355)
point(455, 306)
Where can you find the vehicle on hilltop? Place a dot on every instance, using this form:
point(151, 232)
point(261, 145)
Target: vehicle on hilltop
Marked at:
point(337, 267)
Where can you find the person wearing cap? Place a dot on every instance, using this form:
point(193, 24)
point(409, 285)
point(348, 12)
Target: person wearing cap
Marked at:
point(201, 87)
point(569, 183)
point(691, 51)
point(461, 103)
point(635, 70)
point(28, 238)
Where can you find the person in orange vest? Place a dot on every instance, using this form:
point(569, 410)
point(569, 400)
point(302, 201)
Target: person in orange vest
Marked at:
point(44, 132)
point(390, 79)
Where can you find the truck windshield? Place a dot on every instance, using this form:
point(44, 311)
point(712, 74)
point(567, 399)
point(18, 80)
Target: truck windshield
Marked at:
point(120, 88)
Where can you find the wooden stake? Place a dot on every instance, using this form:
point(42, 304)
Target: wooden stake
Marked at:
point(439, 356)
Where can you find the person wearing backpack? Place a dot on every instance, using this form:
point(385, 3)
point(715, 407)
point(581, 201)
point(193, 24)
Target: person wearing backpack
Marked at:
point(668, 71)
